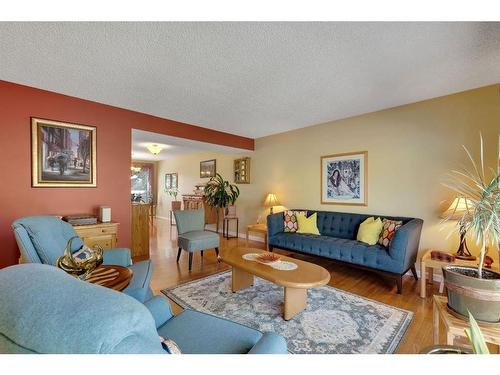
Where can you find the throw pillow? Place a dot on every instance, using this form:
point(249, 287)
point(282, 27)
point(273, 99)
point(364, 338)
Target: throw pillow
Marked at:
point(290, 221)
point(388, 229)
point(369, 231)
point(307, 225)
point(170, 346)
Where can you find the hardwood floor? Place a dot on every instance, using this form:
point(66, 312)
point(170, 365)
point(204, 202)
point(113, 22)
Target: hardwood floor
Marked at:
point(168, 273)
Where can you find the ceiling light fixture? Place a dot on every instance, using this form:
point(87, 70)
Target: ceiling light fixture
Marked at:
point(154, 149)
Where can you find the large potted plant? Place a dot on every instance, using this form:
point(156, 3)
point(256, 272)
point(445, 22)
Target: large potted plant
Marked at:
point(219, 194)
point(476, 289)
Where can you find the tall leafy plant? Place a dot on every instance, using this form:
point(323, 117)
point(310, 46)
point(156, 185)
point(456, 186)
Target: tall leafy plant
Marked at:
point(219, 193)
point(482, 218)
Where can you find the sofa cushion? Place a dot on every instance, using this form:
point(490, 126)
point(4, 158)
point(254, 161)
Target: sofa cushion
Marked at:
point(199, 333)
point(290, 221)
point(49, 236)
point(369, 230)
point(388, 230)
point(350, 251)
point(307, 225)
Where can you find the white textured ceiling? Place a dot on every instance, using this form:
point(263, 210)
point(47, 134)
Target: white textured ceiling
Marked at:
point(252, 79)
point(172, 146)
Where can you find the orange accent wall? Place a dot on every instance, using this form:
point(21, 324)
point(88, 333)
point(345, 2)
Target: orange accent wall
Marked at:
point(17, 198)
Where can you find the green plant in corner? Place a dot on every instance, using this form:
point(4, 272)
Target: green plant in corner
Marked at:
point(219, 193)
point(482, 218)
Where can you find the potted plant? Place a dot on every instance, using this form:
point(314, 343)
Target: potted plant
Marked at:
point(173, 192)
point(475, 289)
point(219, 194)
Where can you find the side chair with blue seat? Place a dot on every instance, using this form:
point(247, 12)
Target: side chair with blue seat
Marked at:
point(43, 239)
point(45, 310)
point(192, 236)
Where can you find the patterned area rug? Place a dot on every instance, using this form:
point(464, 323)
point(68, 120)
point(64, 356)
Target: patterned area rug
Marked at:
point(334, 322)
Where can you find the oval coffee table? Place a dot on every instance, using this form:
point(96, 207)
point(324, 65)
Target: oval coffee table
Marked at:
point(111, 276)
point(295, 282)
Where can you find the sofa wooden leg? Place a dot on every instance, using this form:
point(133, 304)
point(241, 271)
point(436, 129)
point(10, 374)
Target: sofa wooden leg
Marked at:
point(414, 272)
point(217, 254)
point(201, 253)
point(399, 284)
point(270, 249)
point(190, 261)
point(179, 254)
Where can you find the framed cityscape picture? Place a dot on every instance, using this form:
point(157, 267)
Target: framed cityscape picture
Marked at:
point(62, 154)
point(344, 179)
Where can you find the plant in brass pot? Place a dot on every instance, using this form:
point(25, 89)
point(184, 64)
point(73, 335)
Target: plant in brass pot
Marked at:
point(471, 288)
point(219, 193)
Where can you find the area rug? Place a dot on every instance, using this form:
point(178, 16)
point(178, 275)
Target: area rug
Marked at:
point(335, 321)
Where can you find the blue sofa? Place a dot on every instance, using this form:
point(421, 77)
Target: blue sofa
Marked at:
point(42, 239)
point(45, 310)
point(338, 242)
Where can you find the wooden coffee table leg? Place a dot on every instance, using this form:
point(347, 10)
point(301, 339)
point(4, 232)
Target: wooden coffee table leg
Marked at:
point(423, 281)
point(241, 279)
point(295, 302)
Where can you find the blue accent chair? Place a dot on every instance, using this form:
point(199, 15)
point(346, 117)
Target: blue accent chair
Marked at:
point(42, 239)
point(45, 310)
point(337, 241)
point(191, 234)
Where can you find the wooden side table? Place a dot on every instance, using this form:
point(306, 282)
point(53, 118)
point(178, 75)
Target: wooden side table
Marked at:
point(455, 327)
point(111, 276)
point(258, 228)
point(428, 265)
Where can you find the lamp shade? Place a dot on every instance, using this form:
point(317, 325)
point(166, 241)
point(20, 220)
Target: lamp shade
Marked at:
point(458, 209)
point(271, 200)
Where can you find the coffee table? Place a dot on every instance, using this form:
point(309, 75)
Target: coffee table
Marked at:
point(295, 282)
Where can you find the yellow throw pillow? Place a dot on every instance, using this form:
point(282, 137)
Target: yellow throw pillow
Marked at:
point(307, 225)
point(369, 231)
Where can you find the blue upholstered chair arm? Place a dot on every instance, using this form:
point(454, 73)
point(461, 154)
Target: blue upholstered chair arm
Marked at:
point(404, 245)
point(275, 224)
point(161, 310)
point(118, 256)
point(270, 343)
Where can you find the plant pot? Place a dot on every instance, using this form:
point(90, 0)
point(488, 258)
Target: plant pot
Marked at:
point(176, 205)
point(466, 292)
point(445, 349)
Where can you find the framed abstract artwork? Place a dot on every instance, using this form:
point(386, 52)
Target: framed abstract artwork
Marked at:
point(208, 168)
point(344, 179)
point(62, 154)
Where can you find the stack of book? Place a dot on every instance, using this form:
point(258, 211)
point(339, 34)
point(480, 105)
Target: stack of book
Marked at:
point(84, 219)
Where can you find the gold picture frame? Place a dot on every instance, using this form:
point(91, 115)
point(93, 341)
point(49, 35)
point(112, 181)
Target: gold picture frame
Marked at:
point(63, 154)
point(344, 178)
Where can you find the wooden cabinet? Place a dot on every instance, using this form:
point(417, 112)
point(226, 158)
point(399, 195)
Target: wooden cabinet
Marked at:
point(140, 230)
point(197, 202)
point(102, 234)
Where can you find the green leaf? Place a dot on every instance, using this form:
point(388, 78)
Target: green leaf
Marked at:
point(476, 337)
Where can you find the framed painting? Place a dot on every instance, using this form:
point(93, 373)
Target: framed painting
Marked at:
point(344, 179)
point(62, 154)
point(208, 168)
point(171, 181)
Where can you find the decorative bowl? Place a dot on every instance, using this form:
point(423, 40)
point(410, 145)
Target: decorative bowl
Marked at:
point(267, 258)
point(81, 266)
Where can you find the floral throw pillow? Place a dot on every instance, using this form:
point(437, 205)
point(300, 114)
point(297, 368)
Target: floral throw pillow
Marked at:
point(290, 221)
point(388, 229)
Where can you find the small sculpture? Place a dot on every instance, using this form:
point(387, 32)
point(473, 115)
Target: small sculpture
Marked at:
point(82, 262)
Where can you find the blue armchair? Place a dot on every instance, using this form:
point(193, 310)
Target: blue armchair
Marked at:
point(45, 310)
point(42, 239)
point(191, 234)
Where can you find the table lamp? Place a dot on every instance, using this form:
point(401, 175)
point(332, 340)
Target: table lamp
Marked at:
point(271, 201)
point(458, 211)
